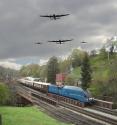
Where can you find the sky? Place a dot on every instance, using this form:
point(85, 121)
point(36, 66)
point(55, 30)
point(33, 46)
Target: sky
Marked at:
point(21, 27)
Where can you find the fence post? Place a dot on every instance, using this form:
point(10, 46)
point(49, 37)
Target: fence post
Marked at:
point(0, 119)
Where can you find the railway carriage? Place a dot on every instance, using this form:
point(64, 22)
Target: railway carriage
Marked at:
point(35, 83)
point(41, 86)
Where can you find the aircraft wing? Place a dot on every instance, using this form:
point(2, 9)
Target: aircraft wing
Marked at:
point(44, 16)
point(60, 41)
point(62, 15)
point(52, 41)
point(67, 40)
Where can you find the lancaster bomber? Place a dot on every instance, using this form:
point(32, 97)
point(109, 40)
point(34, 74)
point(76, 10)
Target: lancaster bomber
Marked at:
point(54, 16)
point(38, 43)
point(83, 42)
point(60, 41)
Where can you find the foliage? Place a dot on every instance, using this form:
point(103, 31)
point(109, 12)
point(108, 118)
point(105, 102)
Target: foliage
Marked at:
point(93, 53)
point(43, 72)
point(113, 69)
point(4, 93)
point(105, 88)
point(113, 79)
point(98, 88)
point(106, 83)
point(74, 77)
point(105, 74)
point(104, 70)
point(30, 70)
point(8, 74)
point(52, 70)
point(111, 50)
point(26, 116)
point(64, 65)
point(103, 54)
point(69, 80)
point(76, 57)
point(112, 45)
point(85, 72)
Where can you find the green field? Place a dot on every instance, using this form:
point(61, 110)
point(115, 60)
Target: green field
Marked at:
point(26, 116)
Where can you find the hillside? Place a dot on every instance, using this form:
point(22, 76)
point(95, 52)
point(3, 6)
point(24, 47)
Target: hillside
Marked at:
point(100, 67)
point(104, 74)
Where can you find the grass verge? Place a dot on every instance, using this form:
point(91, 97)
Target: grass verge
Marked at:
point(26, 116)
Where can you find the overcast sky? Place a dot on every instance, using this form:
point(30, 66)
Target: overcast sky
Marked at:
point(21, 26)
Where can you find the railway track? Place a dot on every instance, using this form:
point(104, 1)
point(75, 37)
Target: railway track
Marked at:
point(50, 110)
point(79, 118)
point(105, 110)
point(91, 114)
point(63, 114)
point(67, 114)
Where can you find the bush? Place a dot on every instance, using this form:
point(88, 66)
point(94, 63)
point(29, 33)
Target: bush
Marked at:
point(105, 88)
point(69, 80)
point(114, 106)
point(4, 94)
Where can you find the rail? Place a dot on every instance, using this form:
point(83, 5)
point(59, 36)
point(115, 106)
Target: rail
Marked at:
point(38, 98)
point(105, 110)
point(105, 98)
point(91, 114)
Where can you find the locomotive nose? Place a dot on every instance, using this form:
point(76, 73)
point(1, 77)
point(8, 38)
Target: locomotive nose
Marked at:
point(91, 100)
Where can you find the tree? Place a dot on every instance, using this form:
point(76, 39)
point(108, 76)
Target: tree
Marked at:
point(85, 72)
point(43, 72)
point(52, 70)
point(69, 80)
point(76, 57)
point(64, 65)
point(111, 44)
point(4, 94)
point(103, 54)
point(30, 70)
point(111, 49)
point(8, 74)
point(93, 53)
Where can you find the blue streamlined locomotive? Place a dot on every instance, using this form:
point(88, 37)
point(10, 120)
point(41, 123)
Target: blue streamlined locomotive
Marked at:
point(72, 92)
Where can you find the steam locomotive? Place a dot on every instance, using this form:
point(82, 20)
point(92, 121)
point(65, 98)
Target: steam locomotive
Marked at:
point(71, 92)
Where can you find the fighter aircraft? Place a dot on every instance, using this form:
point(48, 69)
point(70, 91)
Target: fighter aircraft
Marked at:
point(54, 16)
point(60, 41)
point(83, 42)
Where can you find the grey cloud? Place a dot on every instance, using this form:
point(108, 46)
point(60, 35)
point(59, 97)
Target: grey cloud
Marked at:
point(21, 26)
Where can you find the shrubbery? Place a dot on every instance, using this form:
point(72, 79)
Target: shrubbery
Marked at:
point(69, 80)
point(4, 94)
point(105, 88)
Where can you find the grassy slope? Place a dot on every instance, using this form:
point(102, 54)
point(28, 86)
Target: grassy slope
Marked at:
point(26, 116)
